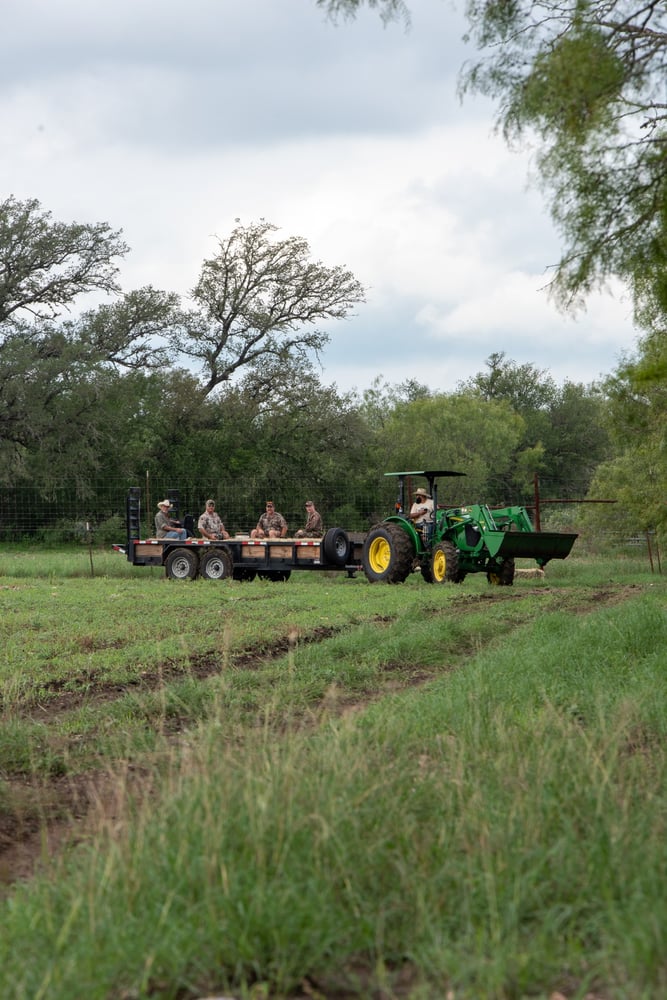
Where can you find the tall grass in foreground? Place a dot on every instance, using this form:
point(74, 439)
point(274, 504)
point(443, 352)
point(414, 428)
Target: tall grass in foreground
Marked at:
point(499, 833)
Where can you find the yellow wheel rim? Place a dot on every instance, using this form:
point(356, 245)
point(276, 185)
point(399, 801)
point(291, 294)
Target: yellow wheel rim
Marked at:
point(379, 555)
point(439, 566)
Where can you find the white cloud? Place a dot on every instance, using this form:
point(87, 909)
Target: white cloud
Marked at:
point(172, 120)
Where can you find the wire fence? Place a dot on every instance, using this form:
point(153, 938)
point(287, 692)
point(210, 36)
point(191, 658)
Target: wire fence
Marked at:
point(64, 515)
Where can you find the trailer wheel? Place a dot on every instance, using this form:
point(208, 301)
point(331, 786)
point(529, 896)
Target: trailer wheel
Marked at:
point(336, 546)
point(501, 574)
point(445, 563)
point(216, 564)
point(387, 554)
point(181, 564)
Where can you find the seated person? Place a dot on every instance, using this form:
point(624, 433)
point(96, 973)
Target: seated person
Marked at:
point(421, 512)
point(165, 526)
point(271, 524)
point(209, 524)
point(313, 527)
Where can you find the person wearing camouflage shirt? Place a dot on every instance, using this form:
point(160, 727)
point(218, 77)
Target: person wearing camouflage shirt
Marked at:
point(209, 524)
point(313, 527)
point(271, 524)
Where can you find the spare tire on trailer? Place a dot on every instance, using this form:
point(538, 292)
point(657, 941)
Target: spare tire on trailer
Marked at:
point(336, 546)
point(216, 564)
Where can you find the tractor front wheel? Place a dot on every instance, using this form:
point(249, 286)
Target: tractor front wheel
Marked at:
point(501, 574)
point(387, 554)
point(445, 563)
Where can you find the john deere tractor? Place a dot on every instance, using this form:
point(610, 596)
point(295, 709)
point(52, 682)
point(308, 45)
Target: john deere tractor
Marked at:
point(457, 541)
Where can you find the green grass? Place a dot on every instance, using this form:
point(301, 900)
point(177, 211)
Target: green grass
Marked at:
point(411, 789)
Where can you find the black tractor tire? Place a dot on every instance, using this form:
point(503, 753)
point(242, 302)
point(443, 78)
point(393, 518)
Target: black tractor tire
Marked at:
point(388, 554)
point(501, 575)
point(182, 564)
point(244, 575)
point(276, 575)
point(216, 564)
point(445, 563)
point(336, 546)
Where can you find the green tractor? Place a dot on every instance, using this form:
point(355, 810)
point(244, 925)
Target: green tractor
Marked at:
point(456, 541)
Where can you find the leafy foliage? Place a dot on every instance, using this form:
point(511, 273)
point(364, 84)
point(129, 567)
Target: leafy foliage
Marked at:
point(564, 435)
point(91, 401)
point(45, 265)
point(588, 79)
point(258, 300)
point(637, 472)
point(390, 10)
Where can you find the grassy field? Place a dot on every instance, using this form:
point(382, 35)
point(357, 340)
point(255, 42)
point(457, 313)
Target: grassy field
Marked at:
point(329, 789)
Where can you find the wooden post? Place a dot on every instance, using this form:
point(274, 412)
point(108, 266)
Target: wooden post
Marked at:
point(148, 506)
point(648, 545)
point(90, 547)
point(536, 483)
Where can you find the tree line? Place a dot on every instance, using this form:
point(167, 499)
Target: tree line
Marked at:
point(223, 391)
point(223, 398)
point(583, 83)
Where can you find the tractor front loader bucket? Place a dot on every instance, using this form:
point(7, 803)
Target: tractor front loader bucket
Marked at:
point(539, 545)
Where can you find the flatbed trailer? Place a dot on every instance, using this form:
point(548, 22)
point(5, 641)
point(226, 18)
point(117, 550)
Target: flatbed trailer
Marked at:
point(240, 557)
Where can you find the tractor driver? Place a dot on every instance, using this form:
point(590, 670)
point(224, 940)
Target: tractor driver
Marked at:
point(421, 512)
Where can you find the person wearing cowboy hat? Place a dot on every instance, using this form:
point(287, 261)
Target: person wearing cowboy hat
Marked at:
point(421, 511)
point(165, 526)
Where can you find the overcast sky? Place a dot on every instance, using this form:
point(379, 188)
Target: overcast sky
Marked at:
point(172, 119)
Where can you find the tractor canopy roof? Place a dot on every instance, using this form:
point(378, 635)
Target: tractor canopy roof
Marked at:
point(429, 473)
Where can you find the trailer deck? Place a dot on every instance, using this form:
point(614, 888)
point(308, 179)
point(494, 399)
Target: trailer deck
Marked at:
point(240, 557)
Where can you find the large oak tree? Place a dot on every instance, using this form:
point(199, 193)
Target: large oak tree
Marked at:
point(258, 300)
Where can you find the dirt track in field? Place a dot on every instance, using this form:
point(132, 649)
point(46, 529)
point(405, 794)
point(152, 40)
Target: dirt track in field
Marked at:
point(50, 814)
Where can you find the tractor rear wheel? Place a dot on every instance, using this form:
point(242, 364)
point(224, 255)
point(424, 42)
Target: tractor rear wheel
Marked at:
point(387, 554)
point(445, 563)
point(501, 574)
